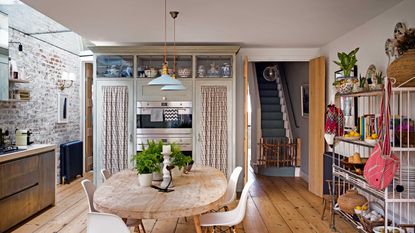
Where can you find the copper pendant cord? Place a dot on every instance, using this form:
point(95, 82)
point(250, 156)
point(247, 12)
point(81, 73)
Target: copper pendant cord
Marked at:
point(165, 31)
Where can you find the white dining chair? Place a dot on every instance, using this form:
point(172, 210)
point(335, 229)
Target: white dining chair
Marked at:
point(105, 223)
point(229, 218)
point(89, 189)
point(105, 174)
point(230, 194)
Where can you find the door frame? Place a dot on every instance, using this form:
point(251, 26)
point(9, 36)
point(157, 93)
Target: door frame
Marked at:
point(263, 55)
point(83, 60)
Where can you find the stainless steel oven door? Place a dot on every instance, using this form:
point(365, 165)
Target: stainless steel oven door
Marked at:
point(164, 115)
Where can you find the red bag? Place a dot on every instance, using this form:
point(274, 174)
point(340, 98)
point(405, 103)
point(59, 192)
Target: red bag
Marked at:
point(382, 165)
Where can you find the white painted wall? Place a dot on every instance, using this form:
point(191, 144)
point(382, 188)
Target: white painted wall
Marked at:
point(370, 37)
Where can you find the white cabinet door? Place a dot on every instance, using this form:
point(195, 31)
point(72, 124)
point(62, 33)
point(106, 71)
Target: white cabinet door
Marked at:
point(197, 122)
point(98, 122)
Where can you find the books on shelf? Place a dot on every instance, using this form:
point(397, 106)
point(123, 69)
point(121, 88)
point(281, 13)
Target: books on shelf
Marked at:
point(369, 124)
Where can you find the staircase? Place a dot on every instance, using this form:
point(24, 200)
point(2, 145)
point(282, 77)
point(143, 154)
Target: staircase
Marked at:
point(274, 119)
point(272, 111)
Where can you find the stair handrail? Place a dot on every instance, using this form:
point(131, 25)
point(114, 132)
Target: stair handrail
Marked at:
point(287, 93)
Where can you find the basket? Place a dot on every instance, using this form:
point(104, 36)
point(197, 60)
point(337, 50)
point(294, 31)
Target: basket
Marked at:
point(348, 201)
point(403, 69)
point(354, 166)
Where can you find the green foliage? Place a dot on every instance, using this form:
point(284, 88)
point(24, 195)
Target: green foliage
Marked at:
point(347, 61)
point(148, 160)
point(146, 163)
point(362, 81)
point(178, 159)
point(379, 77)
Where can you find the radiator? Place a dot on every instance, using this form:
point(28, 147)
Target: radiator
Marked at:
point(71, 161)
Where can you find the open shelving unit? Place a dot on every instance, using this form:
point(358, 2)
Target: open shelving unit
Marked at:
point(399, 206)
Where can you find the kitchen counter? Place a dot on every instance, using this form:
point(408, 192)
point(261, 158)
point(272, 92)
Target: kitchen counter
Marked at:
point(31, 150)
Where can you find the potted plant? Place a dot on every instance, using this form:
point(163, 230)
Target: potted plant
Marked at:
point(379, 80)
point(178, 159)
point(155, 148)
point(346, 62)
point(146, 163)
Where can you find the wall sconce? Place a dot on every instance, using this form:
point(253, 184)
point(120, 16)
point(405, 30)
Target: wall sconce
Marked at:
point(19, 48)
point(66, 81)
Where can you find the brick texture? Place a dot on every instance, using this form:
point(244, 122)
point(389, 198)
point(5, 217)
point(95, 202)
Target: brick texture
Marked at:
point(43, 64)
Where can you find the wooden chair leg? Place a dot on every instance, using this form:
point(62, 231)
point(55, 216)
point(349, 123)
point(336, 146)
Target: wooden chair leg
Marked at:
point(137, 229)
point(142, 227)
point(324, 208)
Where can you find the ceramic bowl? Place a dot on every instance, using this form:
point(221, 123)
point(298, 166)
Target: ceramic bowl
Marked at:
point(390, 229)
point(184, 72)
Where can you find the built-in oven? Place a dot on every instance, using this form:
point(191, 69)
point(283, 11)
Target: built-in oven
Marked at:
point(169, 121)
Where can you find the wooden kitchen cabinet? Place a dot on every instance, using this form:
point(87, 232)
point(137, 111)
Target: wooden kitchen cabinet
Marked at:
point(27, 185)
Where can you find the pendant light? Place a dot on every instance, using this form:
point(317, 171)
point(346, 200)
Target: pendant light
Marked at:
point(165, 78)
point(179, 87)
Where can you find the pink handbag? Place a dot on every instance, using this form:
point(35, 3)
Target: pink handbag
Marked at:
point(382, 165)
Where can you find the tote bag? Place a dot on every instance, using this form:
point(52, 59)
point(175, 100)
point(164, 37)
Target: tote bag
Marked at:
point(382, 164)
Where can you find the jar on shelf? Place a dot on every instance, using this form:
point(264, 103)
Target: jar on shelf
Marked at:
point(226, 70)
point(201, 71)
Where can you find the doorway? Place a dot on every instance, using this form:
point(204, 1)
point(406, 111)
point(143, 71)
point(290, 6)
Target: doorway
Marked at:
point(88, 130)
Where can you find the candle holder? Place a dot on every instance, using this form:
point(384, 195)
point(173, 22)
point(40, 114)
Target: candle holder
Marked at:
point(167, 178)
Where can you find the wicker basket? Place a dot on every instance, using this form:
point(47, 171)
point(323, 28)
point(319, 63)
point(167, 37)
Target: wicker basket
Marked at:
point(348, 201)
point(403, 68)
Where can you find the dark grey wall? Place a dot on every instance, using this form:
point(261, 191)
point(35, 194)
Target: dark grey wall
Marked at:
point(296, 74)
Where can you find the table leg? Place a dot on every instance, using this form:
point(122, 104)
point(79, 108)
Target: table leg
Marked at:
point(197, 224)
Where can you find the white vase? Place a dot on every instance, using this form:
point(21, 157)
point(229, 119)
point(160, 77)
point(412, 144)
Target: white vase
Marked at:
point(157, 176)
point(176, 172)
point(145, 179)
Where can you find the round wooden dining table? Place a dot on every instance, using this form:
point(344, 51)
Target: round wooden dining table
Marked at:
point(197, 192)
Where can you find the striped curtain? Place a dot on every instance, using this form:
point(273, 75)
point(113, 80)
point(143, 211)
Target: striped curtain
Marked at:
point(115, 128)
point(214, 135)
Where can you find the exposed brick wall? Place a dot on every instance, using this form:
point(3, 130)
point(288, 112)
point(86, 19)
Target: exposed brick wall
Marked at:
point(44, 64)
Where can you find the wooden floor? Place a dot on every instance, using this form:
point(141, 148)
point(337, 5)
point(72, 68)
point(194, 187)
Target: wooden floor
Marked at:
point(275, 205)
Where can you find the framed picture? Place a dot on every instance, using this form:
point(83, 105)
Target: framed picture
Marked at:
point(305, 100)
point(63, 108)
point(339, 74)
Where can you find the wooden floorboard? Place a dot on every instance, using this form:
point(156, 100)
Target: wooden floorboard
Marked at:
point(275, 205)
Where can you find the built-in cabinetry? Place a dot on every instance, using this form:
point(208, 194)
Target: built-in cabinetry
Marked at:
point(398, 199)
point(135, 67)
point(27, 185)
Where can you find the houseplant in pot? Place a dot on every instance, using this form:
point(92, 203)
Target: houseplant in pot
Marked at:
point(346, 62)
point(156, 149)
point(178, 159)
point(146, 164)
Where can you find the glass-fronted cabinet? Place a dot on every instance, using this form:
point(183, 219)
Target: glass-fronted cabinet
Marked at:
point(150, 66)
point(115, 66)
point(214, 66)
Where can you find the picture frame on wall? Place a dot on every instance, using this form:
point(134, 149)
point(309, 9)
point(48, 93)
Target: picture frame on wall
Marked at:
point(339, 73)
point(305, 100)
point(63, 108)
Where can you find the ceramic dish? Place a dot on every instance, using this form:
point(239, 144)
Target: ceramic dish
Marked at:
point(371, 141)
point(390, 230)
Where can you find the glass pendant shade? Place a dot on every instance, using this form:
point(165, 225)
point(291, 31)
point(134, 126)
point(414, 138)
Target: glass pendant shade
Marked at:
point(164, 80)
point(173, 88)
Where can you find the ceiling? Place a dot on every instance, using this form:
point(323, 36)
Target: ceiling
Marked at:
point(259, 23)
